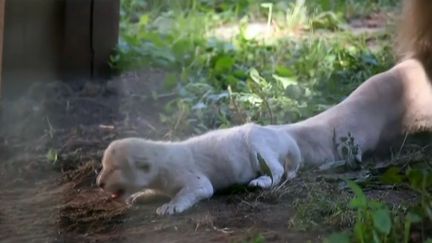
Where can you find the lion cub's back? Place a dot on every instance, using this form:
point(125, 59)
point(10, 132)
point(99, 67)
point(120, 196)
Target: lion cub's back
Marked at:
point(224, 156)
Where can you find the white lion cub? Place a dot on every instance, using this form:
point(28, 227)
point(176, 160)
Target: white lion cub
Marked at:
point(191, 170)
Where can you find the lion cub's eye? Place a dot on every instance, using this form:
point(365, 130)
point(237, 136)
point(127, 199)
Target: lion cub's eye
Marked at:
point(144, 166)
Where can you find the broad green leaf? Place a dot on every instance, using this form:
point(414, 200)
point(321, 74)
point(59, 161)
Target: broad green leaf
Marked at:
point(382, 221)
point(223, 63)
point(338, 238)
point(284, 72)
point(413, 217)
point(374, 204)
point(376, 238)
point(360, 231)
point(143, 20)
point(232, 80)
point(170, 81)
point(416, 177)
point(392, 176)
point(360, 200)
point(285, 81)
point(52, 156)
point(256, 77)
point(326, 20)
point(266, 5)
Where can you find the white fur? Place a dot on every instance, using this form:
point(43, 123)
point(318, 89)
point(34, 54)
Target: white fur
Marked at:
point(191, 170)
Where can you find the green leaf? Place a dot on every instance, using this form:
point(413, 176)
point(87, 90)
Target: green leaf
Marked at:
point(263, 166)
point(392, 176)
point(170, 81)
point(376, 238)
point(413, 217)
point(223, 63)
point(360, 200)
point(143, 20)
point(258, 239)
point(284, 72)
point(326, 20)
point(52, 156)
point(256, 77)
point(266, 5)
point(374, 204)
point(382, 221)
point(285, 81)
point(338, 238)
point(415, 177)
point(360, 231)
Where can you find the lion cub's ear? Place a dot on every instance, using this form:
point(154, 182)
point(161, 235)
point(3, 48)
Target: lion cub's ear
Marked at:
point(144, 166)
point(142, 163)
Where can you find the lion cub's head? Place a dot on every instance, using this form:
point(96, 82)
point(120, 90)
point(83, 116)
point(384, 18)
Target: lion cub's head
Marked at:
point(128, 165)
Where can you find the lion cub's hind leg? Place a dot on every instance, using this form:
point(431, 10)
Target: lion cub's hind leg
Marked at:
point(275, 168)
point(260, 144)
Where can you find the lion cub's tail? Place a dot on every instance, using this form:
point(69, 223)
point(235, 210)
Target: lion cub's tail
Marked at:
point(415, 36)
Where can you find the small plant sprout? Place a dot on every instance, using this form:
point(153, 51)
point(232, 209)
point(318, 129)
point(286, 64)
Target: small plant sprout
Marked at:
point(348, 149)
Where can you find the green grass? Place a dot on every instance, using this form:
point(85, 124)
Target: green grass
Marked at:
point(309, 62)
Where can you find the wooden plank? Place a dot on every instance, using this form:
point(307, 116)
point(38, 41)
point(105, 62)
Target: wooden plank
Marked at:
point(2, 14)
point(77, 58)
point(32, 43)
point(106, 18)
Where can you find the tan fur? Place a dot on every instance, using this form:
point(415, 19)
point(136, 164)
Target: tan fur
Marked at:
point(382, 109)
point(415, 34)
point(389, 104)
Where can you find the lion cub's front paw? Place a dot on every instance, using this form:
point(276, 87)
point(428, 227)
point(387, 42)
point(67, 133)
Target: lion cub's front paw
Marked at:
point(262, 182)
point(170, 209)
point(133, 199)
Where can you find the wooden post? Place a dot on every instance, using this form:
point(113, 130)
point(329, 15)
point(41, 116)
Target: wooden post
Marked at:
point(77, 59)
point(91, 33)
point(2, 14)
point(105, 23)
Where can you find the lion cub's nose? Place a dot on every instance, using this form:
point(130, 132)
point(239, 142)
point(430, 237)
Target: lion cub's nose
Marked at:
point(101, 184)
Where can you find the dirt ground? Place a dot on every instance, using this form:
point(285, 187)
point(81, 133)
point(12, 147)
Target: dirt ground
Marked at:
point(51, 142)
